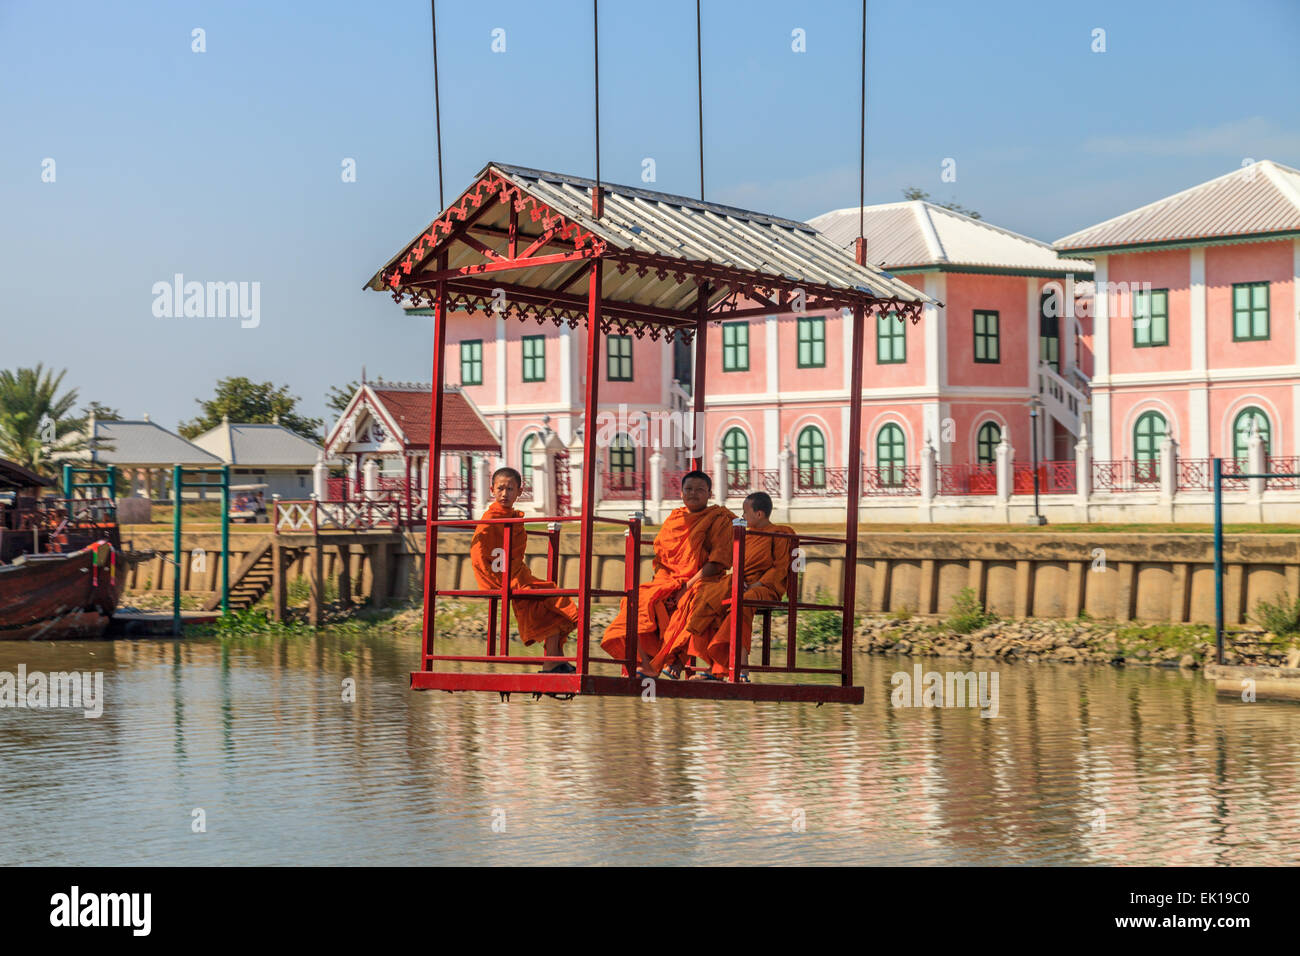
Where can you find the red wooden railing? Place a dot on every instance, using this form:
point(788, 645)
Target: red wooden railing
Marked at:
point(1288, 465)
point(622, 485)
point(966, 480)
point(891, 480)
point(1125, 475)
point(1054, 478)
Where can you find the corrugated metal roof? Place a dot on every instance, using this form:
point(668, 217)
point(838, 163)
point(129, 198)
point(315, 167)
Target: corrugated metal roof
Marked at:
point(1261, 198)
point(672, 227)
point(146, 443)
point(257, 444)
point(918, 234)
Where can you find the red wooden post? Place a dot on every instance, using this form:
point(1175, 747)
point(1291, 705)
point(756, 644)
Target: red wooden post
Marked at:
point(505, 590)
point(589, 460)
point(492, 627)
point(435, 454)
point(854, 494)
point(701, 365)
point(553, 552)
point(632, 581)
point(737, 593)
point(792, 619)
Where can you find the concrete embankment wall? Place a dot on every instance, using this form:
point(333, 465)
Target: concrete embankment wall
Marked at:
point(1148, 577)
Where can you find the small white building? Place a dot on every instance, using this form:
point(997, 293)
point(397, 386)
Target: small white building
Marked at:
point(263, 454)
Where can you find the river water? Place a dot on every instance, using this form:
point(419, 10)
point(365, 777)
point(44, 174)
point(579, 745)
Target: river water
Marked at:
point(1082, 765)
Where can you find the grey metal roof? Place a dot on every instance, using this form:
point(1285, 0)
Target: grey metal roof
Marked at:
point(146, 443)
point(674, 227)
point(1258, 199)
point(918, 234)
point(257, 444)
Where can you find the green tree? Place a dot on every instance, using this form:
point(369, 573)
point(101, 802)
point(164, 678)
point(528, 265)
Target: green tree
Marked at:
point(336, 400)
point(911, 192)
point(37, 427)
point(243, 400)
point(102, 412)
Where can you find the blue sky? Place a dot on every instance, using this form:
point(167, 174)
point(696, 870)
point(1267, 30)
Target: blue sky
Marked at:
point(226, 165)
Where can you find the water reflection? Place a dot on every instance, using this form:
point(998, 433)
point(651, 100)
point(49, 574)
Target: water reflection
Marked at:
point(1083, 765)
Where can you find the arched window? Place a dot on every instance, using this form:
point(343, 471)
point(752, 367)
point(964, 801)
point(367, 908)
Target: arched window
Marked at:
point(1241, 427)
point(526, 458)
point(891, 454)
point(622, 463)
point(1148, 433)
point(986, 443)
point(811, 448)
point(736, 447)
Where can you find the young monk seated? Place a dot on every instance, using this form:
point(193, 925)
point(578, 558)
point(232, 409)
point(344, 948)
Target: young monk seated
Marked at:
point(767, 566)
point(548, 620)
point(694, 545)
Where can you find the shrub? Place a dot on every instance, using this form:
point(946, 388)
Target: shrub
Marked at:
point(903, 613)
point(820, 628)
point(1281, 616)
point(968, 613)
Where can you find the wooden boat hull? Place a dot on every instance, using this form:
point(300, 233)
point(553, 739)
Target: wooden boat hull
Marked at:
point(57, 597)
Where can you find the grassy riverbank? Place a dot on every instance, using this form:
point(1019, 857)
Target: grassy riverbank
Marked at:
point(967, 632)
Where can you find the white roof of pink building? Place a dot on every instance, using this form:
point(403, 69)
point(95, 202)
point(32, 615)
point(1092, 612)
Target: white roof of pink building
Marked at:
point(918, 234)
point(1260, 199)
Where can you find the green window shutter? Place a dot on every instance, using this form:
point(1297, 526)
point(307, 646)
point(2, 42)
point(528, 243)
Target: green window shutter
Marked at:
point(812, 343)
point(471, 362)
point(534, 358)
point(735, 347)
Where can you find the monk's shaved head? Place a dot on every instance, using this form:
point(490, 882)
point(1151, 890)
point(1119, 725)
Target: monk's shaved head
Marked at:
point(509, 473)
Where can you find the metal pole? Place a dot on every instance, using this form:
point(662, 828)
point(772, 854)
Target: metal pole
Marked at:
point(701, 367)
point(225, 540)
point(67, 481)
point(176, 550)
point(434, 483)
point(1218, 559)
point(854, 492)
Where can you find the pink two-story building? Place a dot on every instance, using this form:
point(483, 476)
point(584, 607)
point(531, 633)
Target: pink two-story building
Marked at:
point(1195, 315)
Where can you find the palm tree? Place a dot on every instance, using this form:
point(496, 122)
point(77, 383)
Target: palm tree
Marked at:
point(36, 429)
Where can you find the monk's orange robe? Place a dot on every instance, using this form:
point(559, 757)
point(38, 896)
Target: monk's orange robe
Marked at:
point(686, 542)
point(538, 618)
point(767, 569)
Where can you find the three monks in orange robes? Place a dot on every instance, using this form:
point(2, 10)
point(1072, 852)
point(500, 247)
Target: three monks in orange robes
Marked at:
point(541, 620)
point(693, 546)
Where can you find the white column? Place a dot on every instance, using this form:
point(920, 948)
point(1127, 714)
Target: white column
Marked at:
point(1256, 463)
point(500, 355)
point(1101, 437)
point(543, 483)
point(655, 502)
point(1082, 474)
point(480, 473)
point(575, 476)
point(844, 435)
point(772, 347)
point(319, 477)
point(1198, 397)
point(1004, 466)
point(566, 368)
point(1168, 469)
point(720, 476)
point(1295, 319)
point(929, 471)
point(370, 478)
point(785, 464)
point(771, 436)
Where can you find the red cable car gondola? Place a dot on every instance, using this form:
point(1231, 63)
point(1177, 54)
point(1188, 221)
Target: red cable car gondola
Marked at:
point(569, 250)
